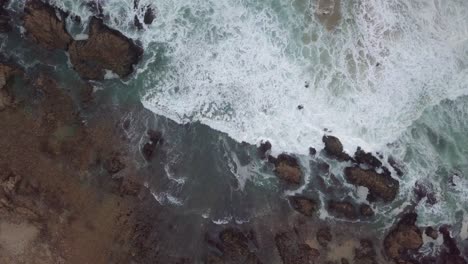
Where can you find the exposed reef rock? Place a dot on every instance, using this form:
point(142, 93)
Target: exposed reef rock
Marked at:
point(380, 185)
point(294, 252)
point(404, 240)
point(44, 27)
point(287, 168)
point(303, 205)
point(334, 148)
point(105, 49)
point(5, 25)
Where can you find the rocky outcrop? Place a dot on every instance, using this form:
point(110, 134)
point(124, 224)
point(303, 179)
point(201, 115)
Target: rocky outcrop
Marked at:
point(44, 27)
point(7, 73)
point(424, 189)
point(105, 49)
point(362, 157)
point(380, 185)
point(292, 251)
point(404, 240)
point(450, 253)
point(287, 168)
point(264, 149)
point(334, 148)
point(303, 205)
point(342, 209)
point(5, 25)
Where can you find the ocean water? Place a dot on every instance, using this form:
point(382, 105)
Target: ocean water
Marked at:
point(392, 77)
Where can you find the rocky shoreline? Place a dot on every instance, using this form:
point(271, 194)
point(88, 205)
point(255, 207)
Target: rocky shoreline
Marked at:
point(71, 193)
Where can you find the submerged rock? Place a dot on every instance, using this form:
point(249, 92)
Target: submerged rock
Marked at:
point(303, 205)
point(5, 25)
point(155, 138)
point(287, 168)
point(334, 148)
point(324, 236)
point(404, 239)
point(342, 209)
point(380, 185)
point(105, 49)
point(45, 25)
point(293, 252)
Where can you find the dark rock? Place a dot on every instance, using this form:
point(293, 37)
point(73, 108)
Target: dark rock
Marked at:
point(424, 189)
point(334, 148)
point(366, 210)
point(431, 232)
point(450, 253)
point(363, 157)
point(234, 245)
point(137, 23)
point(379, 185)
point(155, 138)
point(7, 74)
point(5, 25)
point(312, 151)
point(300, 107)
point(344, 261)
point(293, 252)
point(44, 27)
point(404, 239)
point(287, 168)
point(365, 253)
point(324, 236)
point(303, 205)
point(105, 49)
point(264, 149)
point(149, 16)
point(114, 164)
point(397, 166)
point(342, 209)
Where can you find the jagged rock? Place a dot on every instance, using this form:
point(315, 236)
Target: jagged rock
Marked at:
point(264, 149)
point(424, 189)
point(303, 205)
point(431, 232)
point(149, 15)
point(366, 210)
point(45, 25)
point(397, 166)
point(404, 239)
point(105, 49)
point(312, 151)
point(342, 209)
point(334, 148)
point(287, 168)
point(5, 25)
point(379, 185)
point(155, 138)
point(324, 236)
point(363, 157)
point(293, 252)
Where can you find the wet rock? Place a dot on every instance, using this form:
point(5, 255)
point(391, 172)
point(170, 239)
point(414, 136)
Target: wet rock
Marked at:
point(45, 25)
point(342, 209)
point(431, 232)
point(234, 245)
point(137, 23)
point(324, 236)
point(404, 239)
point(287, 169)
point(334, 148)
point(366, 210)
point(5, 25)
point(380, 185)
point(105, 49)
point(367, 158)
point(423, 189)
point(312, 151)
point(450, 253)
point(303, 205)
point(7, 73)
point(155, 138)
point(293, 252)
point(114, 164)
point(397, 166)
point(150, 15)
point(264, 149)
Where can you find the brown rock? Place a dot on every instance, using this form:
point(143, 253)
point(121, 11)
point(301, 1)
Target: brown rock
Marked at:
point(105, 49)
point(366, 210)
point(293, 252)
point(287, 168)
point(334, 148)
point(44, 27)
point(303, 205)
point(324, 236)
point(379, 185)
point(403, 239)
point(431, 232)
point(342, 209)
point(362, 157)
